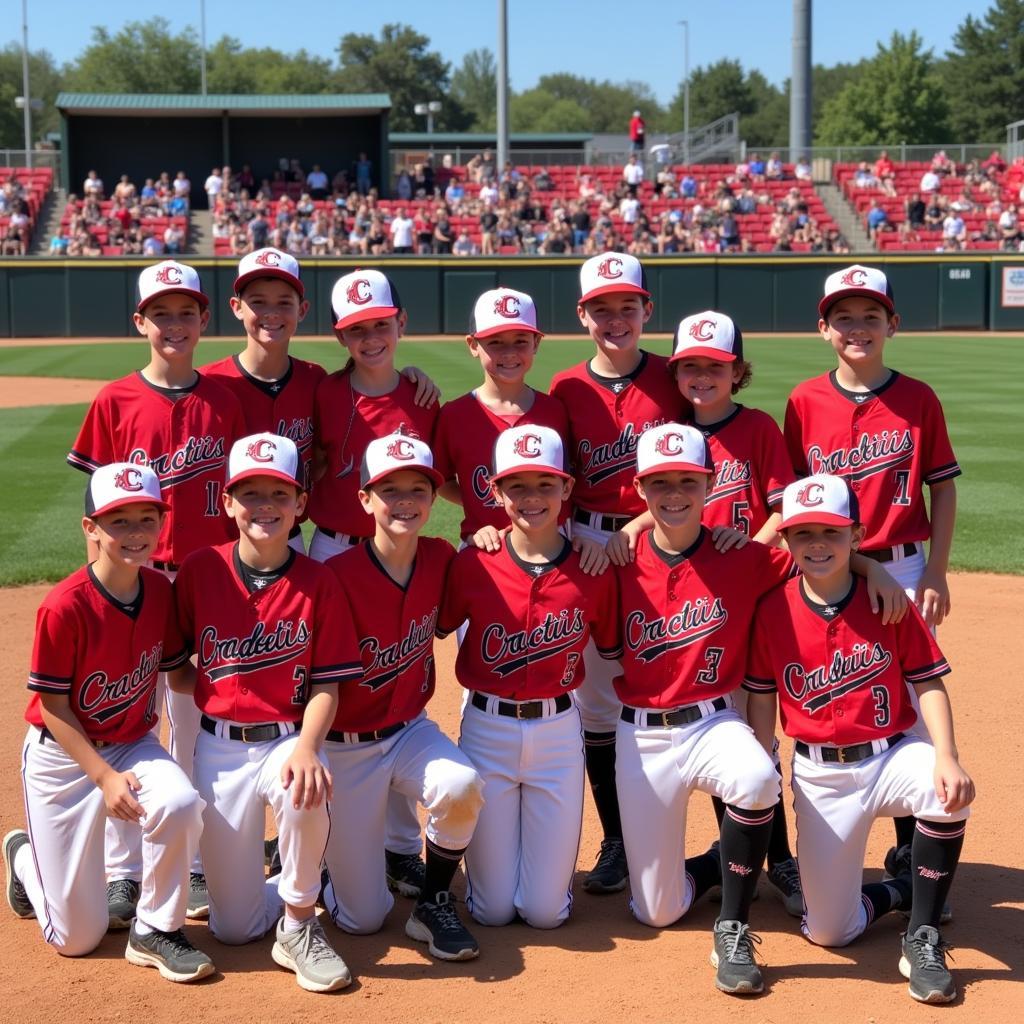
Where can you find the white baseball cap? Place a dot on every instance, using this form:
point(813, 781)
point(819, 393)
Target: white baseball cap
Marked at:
point(504, 309)
point(119, 484)
point(709, 334)
point(269, 262)
point(264, 454)
point(169, 277)
point(529, 449)
point(363, 295)
point(394, 452)
point(821, 498)
point(612, 272)
point(857, 280)
point(672, 446)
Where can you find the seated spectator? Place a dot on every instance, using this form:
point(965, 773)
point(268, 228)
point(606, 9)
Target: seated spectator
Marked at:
point(783, 244)
point(1009, 228)
point(836, 241)
point(746, 202)
point(423, 180)
point(930, 181)
point(182, 187)
point(995, 161)
point(742, 172)
point(963, 202)
point(665, 183)
point(16, 239)
point(258, 228)
point(59, 243)
point(464, 245)
point(579, 218)
point(320, 236)
point(877, 220)
point(340, 187)
point(633, 175)
point(401, 231)
point(295, 240)
point(507, 232)
point(174, 239)
point(153, 246)
point(915, 209)
point(954, 231)
point(988, 233)
point(93, 186)
point(240, 244)
point(557, 240)
point(885, 173)
point(864, 177)
point(132, 244)
point(376, 236)
point(489, 193)
point(542, 181)
point(358, 242)
point(244, 179)
point(756, 167)
point(508, 184)
point(629, 209)
point(124, 190)
point(773, 169)
point(935, 212)
point(688, 186)
point(802, 169)
point(588, 188)
point(454, 193)
point(942, 165)
point(317, 183)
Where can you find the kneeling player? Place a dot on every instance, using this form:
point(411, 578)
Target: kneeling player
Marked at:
point(839, 675)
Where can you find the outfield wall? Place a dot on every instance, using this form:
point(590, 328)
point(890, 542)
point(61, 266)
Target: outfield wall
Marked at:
point(95, 298)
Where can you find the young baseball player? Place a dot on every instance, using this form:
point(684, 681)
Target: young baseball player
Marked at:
point(885, 433)
point(611, 400)
point(101, 638)
point(366, 399)
point(181, 424)
point(381, 739)
point(531, 610)
point(840, 677)
point(265, 624)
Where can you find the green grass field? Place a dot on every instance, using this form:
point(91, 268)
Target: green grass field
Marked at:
point(978, 380)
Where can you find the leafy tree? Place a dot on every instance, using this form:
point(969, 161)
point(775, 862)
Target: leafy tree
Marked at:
point(608, 106)
point(984, 73)
point(538, 110)
point(767, 124)
point(475, 88)
point(896, 98)
point(232, 69)
point(44, 84)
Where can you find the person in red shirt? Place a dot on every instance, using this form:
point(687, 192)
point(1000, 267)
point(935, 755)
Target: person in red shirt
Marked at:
point(840, 676)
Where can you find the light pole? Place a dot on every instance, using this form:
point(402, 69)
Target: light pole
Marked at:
point(429, 109)
point(26, 96)
point(686, 91)
point(202, 46)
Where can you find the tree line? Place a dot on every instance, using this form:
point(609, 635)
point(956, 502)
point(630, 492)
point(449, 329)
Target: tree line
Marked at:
point(902, 93)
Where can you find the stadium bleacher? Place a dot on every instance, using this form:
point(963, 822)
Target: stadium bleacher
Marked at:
point(31, 186)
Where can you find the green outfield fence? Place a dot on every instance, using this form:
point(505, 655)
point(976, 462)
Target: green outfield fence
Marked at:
point(94, 298)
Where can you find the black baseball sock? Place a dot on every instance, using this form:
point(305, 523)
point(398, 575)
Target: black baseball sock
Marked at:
point(599, 751)
point(705, 871)
point(904, 830)
point(882, 897)
point(441, 867)
point(745, 837)
point(934, 855)
point(778, 841)
point(719, 806)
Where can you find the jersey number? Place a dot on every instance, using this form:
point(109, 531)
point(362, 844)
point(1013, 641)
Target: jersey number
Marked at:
point(902, 495)
point(570, 668)
point(713, 657)
point(428, 667)
point(301, 694)
point(881, 695)
point(212, 502)
point(742, 520)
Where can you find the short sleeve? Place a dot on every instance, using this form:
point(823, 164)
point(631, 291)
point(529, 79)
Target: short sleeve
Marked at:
point(175, 649)
point(760, 676)
point(921, 660)
point(53, 653)
point(605, 625)
point(776, 470)
point(454, 604)
point(92, 447)
point(793, 435)
point(335, 657)
point(443, 460)
point(184, 604)
point(939, 461)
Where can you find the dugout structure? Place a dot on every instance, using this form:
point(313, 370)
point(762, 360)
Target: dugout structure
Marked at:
point(142, 135)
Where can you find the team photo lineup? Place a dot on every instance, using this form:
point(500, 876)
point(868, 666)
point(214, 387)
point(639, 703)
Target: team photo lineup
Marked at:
point(654, 584)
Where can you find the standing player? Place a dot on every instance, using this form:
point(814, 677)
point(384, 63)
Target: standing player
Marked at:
point(885, 433)
point(101, 637)
point(381, 739)
point(841, 678)
point(181, 424)
point(531, 610)
point(611, 400)
point(271, 643)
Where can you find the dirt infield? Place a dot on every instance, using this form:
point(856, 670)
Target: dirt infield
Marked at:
point(601, 966)
point(21, 392)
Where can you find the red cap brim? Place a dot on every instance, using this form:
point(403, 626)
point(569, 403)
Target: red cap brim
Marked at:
point(281, 275)
point(819, 518)
point(275, 474)
point(709, 353)
point(607, 289)
point(868, 293)
point(370, 313)
point(203, 300)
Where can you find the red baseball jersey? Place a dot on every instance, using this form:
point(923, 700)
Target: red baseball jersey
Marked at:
point(395, 626)
point(888, 444)
point(284, 407)
point(752, 470)
point(606, 419)
point(185, 440)
point(259, 654)
point(464, 447)
point(528, 623)
point(105, 657)
point(840, 674)
point(685, 619)
point(344, 423)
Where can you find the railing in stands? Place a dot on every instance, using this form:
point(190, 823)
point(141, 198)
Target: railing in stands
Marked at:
point(1014, 141)
point(39, 158)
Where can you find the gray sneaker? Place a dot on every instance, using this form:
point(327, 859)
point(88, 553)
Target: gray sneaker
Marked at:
point(923, 964)
point(170, 953)
point(17, 898)
point(198, 897)
point(437, 924)
point(122, 898)
point(308, 953)
point(733, 955)
point(785, 876)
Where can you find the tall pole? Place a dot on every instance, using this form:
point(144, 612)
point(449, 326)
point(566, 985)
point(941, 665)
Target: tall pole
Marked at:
point(686, 91)
point(26, 93)
point(202, 46)
point(800, 93)
point(502, 84)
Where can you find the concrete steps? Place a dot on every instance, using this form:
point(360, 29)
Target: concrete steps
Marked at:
point(844, 216)
point(200, 233)
point(48, 222)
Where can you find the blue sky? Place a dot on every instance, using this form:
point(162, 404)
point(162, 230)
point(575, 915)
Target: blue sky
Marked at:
point(597, 39)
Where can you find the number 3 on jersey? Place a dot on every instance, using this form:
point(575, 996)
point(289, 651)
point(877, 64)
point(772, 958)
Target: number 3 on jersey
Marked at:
point(713, 658)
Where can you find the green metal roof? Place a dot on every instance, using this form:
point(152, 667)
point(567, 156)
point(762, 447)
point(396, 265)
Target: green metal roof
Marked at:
point(481, 138)
point(215, 103)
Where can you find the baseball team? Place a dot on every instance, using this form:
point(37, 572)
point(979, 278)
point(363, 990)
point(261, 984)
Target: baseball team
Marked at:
point(652, 578)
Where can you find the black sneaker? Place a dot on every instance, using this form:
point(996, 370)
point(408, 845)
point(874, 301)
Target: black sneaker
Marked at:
point(785, 876)
point(271, 856)
point(897, 863)
point(923, 963)
point(17, 898)
point(439, 926)
point(170, 953)
point(405, 873)
point(198, 897)
point(122, 898)
point(733, 955)
point(610, 872)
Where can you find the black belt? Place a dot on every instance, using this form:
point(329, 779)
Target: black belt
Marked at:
point(45, 735)
point(886, 554)
point(251, 733)
point(339, 736)
point(610, 524)
point(527, 709)
point(667, 719)
point(165, 566)
point(848, 755)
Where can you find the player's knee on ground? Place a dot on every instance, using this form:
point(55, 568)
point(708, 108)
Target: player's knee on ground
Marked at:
point(658, 916)
point(83, 940)
point(537, 915)
point(833, 929)
point(493, 914)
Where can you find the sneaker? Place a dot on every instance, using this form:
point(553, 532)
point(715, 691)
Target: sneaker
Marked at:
point(271, 856)
point(308, 953)
point(923, 963)
point(122, 898)
point(733, 955)
point(170, 953)
point(405, 873)
point(17, 898)
point(785, 876)
point(198, 897)
point(897, 862)
point(611, 870)
point(439, 926)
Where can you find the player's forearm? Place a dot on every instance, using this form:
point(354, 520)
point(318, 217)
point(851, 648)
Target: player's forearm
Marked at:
point(769, 533)
point(937, 715)
point(451, 491)
point(943, 522)
point(60, 720)
point(761, 718)
point(318, 716)
point(183, 680)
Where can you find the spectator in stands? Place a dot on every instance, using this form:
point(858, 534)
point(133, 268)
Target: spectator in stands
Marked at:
point(403, 185)
point(423, 180)
point(464, 245)
point(954, 232)
point(542, 181)
point(579, 218)
point(629, 209)
point(914, 209)
point(245, 179)
point(988, 233)
point(963, 203)
point(317, 183)
point(864, 177)
point(258, 228)
point(444, 236)
point(836, 241)
point(995, 161)
point(182, 187)
point(488, 172)
point(688, 186)
point(802, 170)
point(488, 232)
point(746, 201)
point(557, 240)
point(174, 239)
point(774, 169)
point(757, 167)
point(213, 186)
point(377, 236)
point(885, 173)
point(665, 183)
point(488, 194)
point(1009, 228)
point(741, 173)
point(363, 173)
point(935, 212)
point(454, 193)
point(153, 246)
point(401, 230)
point(930, 181)
point(877, 220)
point(633, 175)
point(783, 243)
point(942, 165)
point(637, 132)
point(124, 190)
point(340, 186)
point(423, 230)
point(729, 233)
point(19, 228)
point(508, 184)
point(93, 185)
